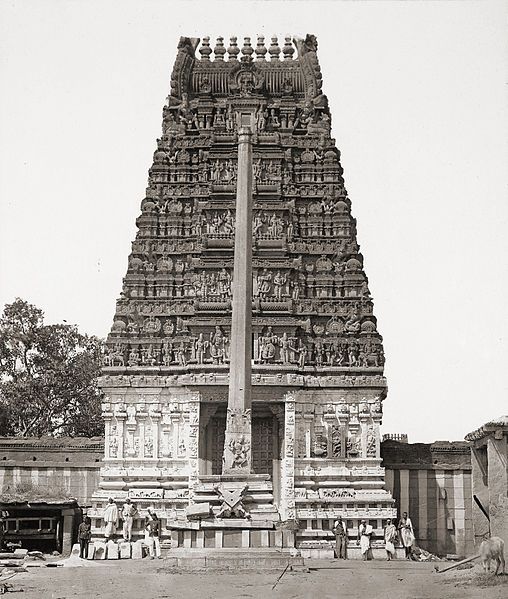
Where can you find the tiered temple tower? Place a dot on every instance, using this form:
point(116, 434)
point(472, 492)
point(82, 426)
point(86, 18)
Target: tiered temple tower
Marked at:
point(230, 461)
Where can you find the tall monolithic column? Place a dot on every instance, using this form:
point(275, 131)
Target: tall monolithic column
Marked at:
point(237, 457)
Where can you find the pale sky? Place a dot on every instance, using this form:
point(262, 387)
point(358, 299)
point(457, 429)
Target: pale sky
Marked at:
point(418, 97)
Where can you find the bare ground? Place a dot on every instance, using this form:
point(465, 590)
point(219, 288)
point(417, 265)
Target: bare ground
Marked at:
point(132, 579)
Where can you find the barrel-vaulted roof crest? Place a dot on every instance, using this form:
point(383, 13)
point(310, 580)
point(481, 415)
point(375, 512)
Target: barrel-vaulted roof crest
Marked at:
point(247, 69)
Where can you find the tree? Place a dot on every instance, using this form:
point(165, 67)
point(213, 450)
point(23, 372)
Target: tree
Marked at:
point(48, 376)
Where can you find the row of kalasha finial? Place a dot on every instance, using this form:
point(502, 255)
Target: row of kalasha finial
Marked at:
point(247, 50)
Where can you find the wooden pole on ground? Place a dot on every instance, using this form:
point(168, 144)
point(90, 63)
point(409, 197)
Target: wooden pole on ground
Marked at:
point(464, 561)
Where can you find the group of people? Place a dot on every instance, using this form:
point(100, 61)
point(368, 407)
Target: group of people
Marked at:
point(365, 532)
point(127, 514)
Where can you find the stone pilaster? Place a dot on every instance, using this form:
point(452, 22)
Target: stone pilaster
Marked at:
point(287, 507)
point(193, 444)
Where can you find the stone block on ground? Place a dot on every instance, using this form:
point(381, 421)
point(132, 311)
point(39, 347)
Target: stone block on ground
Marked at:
point(91, 551)
point(125, 550)
point(75, 549)
point(100, 550)
point(111, 550)
point(22, 552)
point(137, 550)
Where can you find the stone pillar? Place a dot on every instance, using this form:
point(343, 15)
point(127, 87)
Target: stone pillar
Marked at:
point(237, 457)
point(497, 452)
point(68, 526)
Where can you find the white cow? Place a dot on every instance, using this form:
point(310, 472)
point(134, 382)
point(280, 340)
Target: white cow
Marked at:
point(492, 549)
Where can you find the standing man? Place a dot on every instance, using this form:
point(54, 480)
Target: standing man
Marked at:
point(129, 511)
point(364, 534)
point(84, 536)
point(406, 533)
point(390, 538)
point(340, 532)
point(3, 515)
point(152, 534)
point(110, 518)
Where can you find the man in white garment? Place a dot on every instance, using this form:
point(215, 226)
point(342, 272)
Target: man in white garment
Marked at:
point(407, 535)
point(110, 518)
point(390, 534)
point(364, 534)
point(129, 511)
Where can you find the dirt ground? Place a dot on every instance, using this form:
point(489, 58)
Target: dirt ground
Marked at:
point(331, 579)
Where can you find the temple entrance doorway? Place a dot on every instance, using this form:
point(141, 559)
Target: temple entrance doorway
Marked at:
point(264, 442)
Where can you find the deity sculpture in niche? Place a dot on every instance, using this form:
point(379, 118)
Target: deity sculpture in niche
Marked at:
point(113, 442)
point(268, 346)
point(320, 446)
point(285, 348)
point(336, 442)
point(264, 284)
point(131, 414)
point(279, 285)
point(181, 354)
point(353, 445)
point(200, 346)
point(218, 346)
point(149, 446)
point(303, 352)
point(240, 448)
point(133, 359)
point(257, 224)
point(167, 352)
point(371, 443)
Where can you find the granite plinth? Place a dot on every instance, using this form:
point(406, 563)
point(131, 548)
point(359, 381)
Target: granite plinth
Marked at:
point(231, 559)
point(236, 523)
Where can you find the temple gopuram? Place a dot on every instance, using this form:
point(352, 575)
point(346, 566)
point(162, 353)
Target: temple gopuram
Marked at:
point(243, 375)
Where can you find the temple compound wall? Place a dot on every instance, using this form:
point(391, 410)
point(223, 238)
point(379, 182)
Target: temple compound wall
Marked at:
point(432, 483)
point(45, 484)
point(489, 457)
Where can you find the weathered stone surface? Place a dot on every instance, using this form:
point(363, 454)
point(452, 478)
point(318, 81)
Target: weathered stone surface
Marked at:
point(490, 478)
point(125, 550)
point(198, 510)
point(111, 550)
point(91, 551)
point(100, 550)
point(137, 550)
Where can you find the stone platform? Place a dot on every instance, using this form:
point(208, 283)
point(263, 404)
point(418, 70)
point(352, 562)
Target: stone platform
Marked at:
point(232, 559)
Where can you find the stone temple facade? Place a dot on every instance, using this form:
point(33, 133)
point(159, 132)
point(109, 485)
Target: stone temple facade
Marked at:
point(309, 415)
